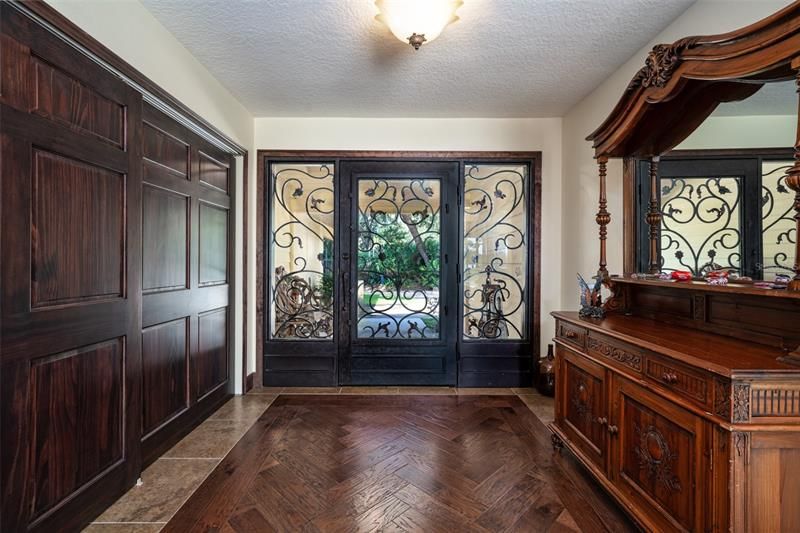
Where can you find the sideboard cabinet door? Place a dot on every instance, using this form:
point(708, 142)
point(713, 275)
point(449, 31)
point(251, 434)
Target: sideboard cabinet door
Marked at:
point(583, 412)
point(657, 457)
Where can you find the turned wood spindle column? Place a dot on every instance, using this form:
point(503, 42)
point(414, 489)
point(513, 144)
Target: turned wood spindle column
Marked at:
point(603, 218)
point(654, 218)
point(793, 182)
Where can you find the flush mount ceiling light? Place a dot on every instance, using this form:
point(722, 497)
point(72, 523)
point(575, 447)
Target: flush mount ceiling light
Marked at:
point(417, 21)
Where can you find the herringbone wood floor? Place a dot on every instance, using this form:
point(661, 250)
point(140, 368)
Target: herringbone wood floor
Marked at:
point(397, 463)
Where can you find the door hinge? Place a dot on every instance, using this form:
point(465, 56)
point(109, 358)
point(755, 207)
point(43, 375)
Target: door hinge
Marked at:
point(445, 310)
point(458, 273)
point(445, 259)
point(446, 209)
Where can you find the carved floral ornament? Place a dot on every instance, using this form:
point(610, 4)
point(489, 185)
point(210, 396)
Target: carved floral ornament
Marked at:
point(656, 458)
point(661, 63)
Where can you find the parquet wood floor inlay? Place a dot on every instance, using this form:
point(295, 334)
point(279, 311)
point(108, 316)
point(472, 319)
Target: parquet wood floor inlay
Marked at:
point(397, 463)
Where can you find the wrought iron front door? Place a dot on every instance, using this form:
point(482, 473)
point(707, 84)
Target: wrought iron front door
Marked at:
point(399, 263)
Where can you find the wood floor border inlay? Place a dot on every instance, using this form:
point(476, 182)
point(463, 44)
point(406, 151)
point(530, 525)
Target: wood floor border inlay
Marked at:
point(330, 463)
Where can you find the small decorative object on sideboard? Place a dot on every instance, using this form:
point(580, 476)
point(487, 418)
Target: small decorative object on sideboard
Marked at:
point(546, 385)
point(591, 299)
point(782, 281)
point(681, 275)
point(717, 277)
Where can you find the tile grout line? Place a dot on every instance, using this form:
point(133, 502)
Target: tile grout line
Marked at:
point(194, 489)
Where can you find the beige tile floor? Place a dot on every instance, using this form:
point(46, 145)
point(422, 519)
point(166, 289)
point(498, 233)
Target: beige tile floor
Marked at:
point(171, 480)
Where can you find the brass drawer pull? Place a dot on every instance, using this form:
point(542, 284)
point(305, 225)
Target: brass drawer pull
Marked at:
point(570, 334)
point(613, 430)
point(669, 377)
point(602, 420)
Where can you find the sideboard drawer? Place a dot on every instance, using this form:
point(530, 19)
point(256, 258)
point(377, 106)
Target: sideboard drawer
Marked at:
point(572, 335)
point(615, 352)
point(687, 382)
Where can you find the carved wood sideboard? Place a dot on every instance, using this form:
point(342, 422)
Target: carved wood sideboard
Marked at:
point(688, 430)
point(684, 401)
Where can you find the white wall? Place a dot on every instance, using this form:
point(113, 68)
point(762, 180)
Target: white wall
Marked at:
point(765, 131)
point(580, 170)
point(130, 31)
point(443, 135)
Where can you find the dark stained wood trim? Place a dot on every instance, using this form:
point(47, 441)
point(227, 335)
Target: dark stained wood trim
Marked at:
point(535, 157)
point(245, 257)
point(248, 382)
point(721, 153)
point(259, 251)
point(395, 154)
point(629, 215)
point(536, 328)
point(70, 29)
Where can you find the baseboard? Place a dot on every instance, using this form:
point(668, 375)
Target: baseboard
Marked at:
point(248, 382)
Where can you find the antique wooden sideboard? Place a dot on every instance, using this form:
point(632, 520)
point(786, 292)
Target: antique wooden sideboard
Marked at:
point(683, 400)
point(688, 428)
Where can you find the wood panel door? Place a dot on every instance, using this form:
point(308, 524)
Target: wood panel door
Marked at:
point(657, 457)
point(186, 279)
point(71, 281)
point(583, 413)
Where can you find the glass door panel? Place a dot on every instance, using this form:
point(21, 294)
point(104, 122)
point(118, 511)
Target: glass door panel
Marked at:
point(399, 259)
point(495, 251)
point(301, 252)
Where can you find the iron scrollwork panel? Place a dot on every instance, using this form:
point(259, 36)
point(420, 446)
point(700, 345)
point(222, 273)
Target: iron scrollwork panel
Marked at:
point(399, 259)
point(495, 251)
point(301, 251)
point(779, 231)
point(701, 226)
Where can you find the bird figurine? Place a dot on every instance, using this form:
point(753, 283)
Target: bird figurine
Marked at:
point(591, 299)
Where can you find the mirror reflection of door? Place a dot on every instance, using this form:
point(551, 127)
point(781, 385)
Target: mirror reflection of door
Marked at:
point(399, 272)
point(722, 193)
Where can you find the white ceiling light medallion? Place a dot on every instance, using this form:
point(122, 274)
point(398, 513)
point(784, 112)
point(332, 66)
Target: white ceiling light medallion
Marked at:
point(417, 21)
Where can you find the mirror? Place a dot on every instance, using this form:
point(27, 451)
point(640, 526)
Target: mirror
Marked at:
point(723, 196)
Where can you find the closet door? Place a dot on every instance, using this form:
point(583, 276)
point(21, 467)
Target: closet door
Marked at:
point(71, 281)
point(186, 280)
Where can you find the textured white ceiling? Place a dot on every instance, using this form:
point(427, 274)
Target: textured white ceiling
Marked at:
point(504, 58)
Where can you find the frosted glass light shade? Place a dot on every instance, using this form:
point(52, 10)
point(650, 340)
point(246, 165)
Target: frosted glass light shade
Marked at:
point(407, 18)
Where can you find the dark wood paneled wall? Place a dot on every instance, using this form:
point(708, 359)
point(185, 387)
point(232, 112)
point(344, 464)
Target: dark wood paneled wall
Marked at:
point(116, 274)
point(187, 252)
point(71, 281)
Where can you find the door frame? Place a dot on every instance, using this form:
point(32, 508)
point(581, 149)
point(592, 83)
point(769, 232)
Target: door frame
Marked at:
point(531, 158)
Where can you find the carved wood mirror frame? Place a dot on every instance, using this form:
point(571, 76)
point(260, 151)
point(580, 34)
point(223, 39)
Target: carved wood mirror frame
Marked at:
point(680, 85)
